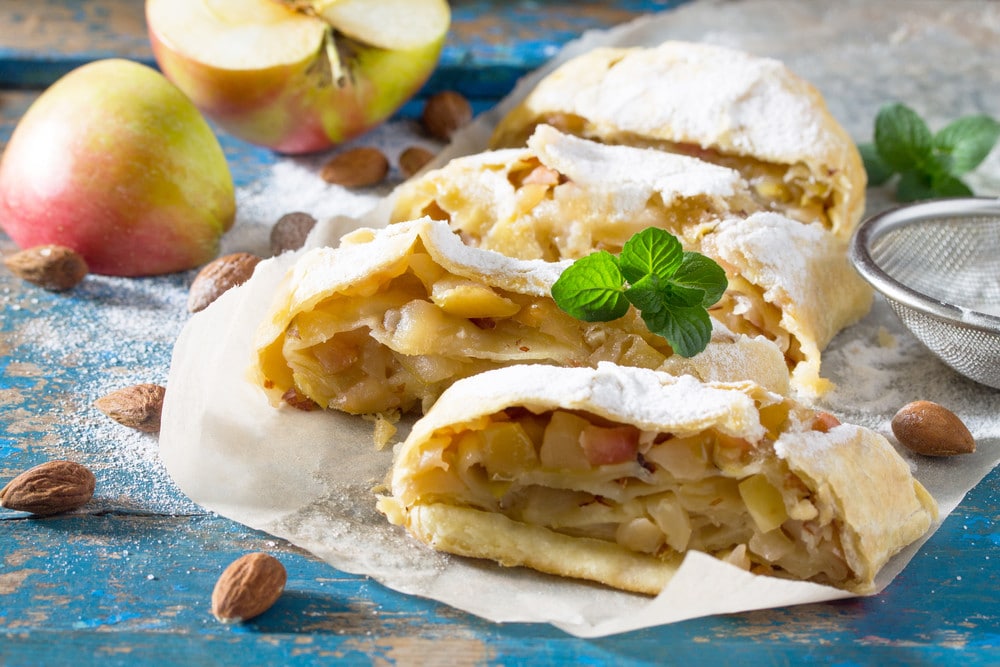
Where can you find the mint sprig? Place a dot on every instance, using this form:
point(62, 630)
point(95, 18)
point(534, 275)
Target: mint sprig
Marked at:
point(928, 164)
point(671, 288)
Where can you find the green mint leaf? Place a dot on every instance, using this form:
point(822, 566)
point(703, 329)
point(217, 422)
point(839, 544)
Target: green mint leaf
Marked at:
point(652, 251)
point(647, 295)
point(702, 273)
point(591, 289)
point(946, 185)
point(651, 296)
point(965, 143)
point(903, 140)
point(878, 171)
point(687, 329)
point(671, 288)
point(914, 186)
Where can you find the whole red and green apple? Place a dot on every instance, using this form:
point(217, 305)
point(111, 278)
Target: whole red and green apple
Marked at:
point(115, 162)
point(298, 76)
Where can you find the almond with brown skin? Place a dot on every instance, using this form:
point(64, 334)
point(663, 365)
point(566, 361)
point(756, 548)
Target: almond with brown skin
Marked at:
point(413, 160)
point(444, 113)
point(49, 488)
point(290, 231)
point(53, 267)
point(138, 406)
point(356, 168)
point(248, 587)
point(218, 276)
point(932, 430)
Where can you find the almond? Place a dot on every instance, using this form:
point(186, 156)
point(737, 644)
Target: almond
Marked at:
point(218, 276)
point(931, 429)
point(49, 488)
point(413, 160)
point(53, 267)
point(290, 232)
point(248, 587)
point(138, 406)
point(444, 113)
point(356, 168)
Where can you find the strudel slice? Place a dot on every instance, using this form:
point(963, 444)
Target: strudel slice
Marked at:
point(564, 197)
point(749, 113)
point(391, 317)
point(612, 474)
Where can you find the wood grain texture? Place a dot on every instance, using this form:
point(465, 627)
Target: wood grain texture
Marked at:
point(127, 579)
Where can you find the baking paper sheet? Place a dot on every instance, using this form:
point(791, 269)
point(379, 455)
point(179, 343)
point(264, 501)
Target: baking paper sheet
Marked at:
point(309, 477)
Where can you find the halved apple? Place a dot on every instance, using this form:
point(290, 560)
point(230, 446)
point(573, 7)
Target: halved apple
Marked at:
point(298, 76)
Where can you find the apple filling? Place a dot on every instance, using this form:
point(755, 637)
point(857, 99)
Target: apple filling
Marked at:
point(397, 339)
point(531, 211)
point(790, 189)
point(743, 309)
point(649, 492)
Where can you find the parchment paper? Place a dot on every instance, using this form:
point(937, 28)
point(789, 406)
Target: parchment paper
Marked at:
point(309, 477)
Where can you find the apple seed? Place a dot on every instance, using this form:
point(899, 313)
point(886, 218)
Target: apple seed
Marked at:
point(356, 168)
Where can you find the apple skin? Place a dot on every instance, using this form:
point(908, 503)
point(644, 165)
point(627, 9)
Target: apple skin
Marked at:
point(115, 162)
point(296, 109)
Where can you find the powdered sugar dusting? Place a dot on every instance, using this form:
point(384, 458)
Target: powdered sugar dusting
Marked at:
point(611, 167)
point(711, 95)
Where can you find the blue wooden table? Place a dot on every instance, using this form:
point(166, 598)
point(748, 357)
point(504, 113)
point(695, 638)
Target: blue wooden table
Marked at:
point(127, 580)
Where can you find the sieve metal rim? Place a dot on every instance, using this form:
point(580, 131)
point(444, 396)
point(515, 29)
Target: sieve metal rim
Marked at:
point(876, 226)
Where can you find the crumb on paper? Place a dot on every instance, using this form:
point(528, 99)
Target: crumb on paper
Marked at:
point(385, 427)
point(886, 338)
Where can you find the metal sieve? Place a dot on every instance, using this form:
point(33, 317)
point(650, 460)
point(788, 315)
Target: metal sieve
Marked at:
point(937, 263)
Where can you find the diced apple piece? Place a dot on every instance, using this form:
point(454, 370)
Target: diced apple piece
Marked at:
point(429, 368)
point(604, 446)
point(426, 269)
point(672, 519)
point(507, 450)
point(771, 546)
point(683, 458)
point(764, 502)
point(465, 298)
point(561, 444)
point(640, 534)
